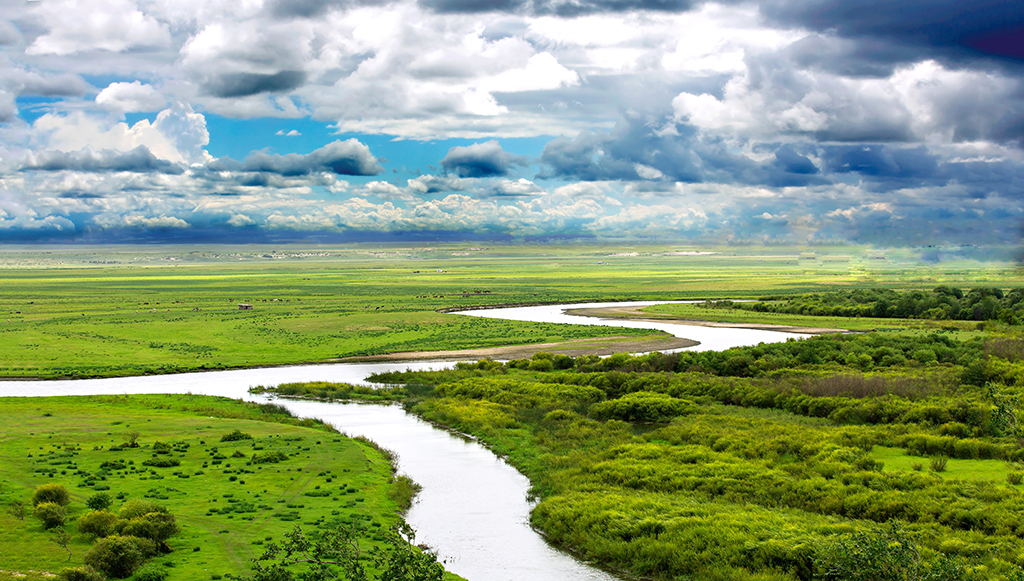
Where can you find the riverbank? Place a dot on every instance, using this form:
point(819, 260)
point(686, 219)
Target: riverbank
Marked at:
point(634, 313)
point(600, 346)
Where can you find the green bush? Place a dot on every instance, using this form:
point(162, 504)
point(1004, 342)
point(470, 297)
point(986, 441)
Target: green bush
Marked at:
point(118, 556)
point(235, 435)
point(162, 462)
point(150, 573)
point(98, 522)
point(52, 514)
point(642, 406)
point(938, 463)
point(156, 526)
point(100, 501)
point(271, 457)
point(80, 574)
point(54, 493)
point(137, 507)
point(1015, 478)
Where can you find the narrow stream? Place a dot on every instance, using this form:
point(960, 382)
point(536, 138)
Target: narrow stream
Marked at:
point(473, 509)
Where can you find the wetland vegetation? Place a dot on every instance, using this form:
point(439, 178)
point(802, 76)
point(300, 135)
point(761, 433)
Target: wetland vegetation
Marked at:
point(764, 462)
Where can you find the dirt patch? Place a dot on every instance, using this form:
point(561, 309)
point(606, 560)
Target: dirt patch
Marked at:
point(634, 314)
point(572, 348)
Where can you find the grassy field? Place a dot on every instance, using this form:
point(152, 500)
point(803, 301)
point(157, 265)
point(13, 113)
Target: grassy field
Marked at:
point(108, 311)
point(226, 505)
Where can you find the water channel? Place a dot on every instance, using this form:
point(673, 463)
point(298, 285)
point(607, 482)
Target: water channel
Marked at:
point(473, 509)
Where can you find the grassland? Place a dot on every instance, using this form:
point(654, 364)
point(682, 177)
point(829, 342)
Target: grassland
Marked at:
point(226, 505)
point(109, 311)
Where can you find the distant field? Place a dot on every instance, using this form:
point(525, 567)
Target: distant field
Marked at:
point(226, 505)
point(106, 311)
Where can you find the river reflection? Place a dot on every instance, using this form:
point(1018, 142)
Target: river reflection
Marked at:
point(473, 509)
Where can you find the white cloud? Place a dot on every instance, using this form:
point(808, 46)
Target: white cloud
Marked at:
point(107, 25)
point(131, 97)
point(178, 134)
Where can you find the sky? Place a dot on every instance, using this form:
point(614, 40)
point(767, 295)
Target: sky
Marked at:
point(245, 121)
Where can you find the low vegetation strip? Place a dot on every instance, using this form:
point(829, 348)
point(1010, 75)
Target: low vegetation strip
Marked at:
point(767, 462)
point(214, 481)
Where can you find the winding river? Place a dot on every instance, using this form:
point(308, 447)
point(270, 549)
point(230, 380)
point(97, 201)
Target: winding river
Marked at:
point(473, 508)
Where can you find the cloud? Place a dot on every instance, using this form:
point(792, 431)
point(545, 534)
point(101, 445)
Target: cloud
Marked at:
point(481, 160)
point(338, 157)
point(111, 25)
point(433, 184)
point(246, 84)
point(521, 188)
point(292, 133)
point(564, 8)
point(177, 134)
point(139, 160)
point(131, 97)
point(953, 32)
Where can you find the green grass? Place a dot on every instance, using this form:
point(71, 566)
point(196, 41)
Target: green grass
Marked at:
point(956, 468)
point(116, 311)
point(226, 505)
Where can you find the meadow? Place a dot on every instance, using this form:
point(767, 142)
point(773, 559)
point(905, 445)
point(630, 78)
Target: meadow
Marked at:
point(119, 311)
point(745, 464)
point(229, 495)
point(753, 463)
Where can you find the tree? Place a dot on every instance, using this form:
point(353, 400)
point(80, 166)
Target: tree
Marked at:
point(52, 514)
point(54, 493)
point(335, 554)
point(100, 501)
point(98, 522)
point(118, 556)
point(17, 510)
point(62, 538)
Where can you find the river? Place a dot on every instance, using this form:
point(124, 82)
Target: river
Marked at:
point(473, 509)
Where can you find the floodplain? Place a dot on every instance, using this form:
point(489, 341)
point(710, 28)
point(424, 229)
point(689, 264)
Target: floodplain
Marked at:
point(752, 463)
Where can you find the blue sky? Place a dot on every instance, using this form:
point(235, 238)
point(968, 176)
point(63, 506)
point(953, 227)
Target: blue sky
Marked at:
point(800, 121)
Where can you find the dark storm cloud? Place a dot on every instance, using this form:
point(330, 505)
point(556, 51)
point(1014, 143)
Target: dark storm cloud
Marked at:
point(949, 30)
point(138, 160)
point(340, 157)
point(314, 8)
point(566, 8)
point(481, 160)
point(788, 160)
point(246, 84)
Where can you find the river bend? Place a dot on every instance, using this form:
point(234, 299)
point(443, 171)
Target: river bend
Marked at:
point(473, 509)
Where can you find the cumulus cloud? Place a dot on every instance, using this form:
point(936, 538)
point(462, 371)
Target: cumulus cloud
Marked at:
point(338, 157)
point(139, 160)
point(131, 97)
point(178, 134)
point(481, 160)
point(112, 25)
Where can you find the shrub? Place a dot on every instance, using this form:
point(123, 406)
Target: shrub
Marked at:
point(80, 574)
point(54, 493)
point(1015, 478)
point(162, 462)
point(137, 507)
point(272, 456)
point(52, 514)
point(98, 522)
point(117, 556)
point(156, 526)
point(235, 435)
point(641, 406)
point(100, 501)
point(938, 463)
point(149, 573)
